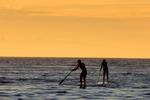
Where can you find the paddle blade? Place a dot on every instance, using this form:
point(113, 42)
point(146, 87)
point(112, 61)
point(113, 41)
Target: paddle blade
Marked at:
point(61, 82)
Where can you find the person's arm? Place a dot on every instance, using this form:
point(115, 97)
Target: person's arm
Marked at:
point(75, 68)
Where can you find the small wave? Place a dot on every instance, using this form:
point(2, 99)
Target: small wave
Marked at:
point(4, 94)
point(18, 95)
point(36, 79)
point(126, 74)
point(6, 81)
point(141, 87)
point(147, 94)
point(24, 94)
point(61, 92)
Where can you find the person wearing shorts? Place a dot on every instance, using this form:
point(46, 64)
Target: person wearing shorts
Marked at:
point(105, 70)
point(83, 74)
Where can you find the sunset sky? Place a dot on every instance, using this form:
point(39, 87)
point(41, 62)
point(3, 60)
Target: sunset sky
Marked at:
point(75, 28)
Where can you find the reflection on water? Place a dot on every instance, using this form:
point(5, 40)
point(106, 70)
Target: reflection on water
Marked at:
point(37, 79)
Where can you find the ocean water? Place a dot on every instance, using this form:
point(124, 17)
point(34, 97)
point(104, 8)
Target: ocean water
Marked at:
point(38, 79)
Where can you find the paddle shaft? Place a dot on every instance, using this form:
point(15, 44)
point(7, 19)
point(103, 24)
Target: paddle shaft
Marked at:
point(64, 78)
point(99, 75)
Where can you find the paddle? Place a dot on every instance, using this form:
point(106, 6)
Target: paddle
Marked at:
point(99, 75)
point(65, 78)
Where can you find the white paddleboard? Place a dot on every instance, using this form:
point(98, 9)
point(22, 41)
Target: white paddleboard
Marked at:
point(101, 83)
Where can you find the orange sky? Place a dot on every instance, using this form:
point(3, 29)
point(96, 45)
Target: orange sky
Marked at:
point(75, 28)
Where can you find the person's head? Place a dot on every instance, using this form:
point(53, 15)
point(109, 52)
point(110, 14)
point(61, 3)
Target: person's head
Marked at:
point(104, 60)
point(79, 61)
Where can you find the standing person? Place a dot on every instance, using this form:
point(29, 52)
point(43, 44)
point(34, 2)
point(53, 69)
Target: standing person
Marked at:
point(105, 70)
point(83, 73)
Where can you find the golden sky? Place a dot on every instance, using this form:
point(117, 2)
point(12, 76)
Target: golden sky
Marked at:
point(75, 28)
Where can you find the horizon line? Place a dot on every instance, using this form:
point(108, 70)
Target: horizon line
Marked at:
point(75, 57)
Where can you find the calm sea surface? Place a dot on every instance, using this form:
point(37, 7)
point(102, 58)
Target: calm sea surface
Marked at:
point(38, 78)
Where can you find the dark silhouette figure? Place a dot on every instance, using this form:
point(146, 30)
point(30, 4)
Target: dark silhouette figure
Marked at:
point(105, 70)
point(83, 73)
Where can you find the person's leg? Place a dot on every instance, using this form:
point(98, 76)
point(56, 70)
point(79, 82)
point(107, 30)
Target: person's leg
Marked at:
point(80, 81)
point(84, 82)
point(107, 76)
point(104, 77)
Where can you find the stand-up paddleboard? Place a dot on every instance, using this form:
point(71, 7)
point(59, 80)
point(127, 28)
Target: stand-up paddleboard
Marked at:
point(101, 83)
